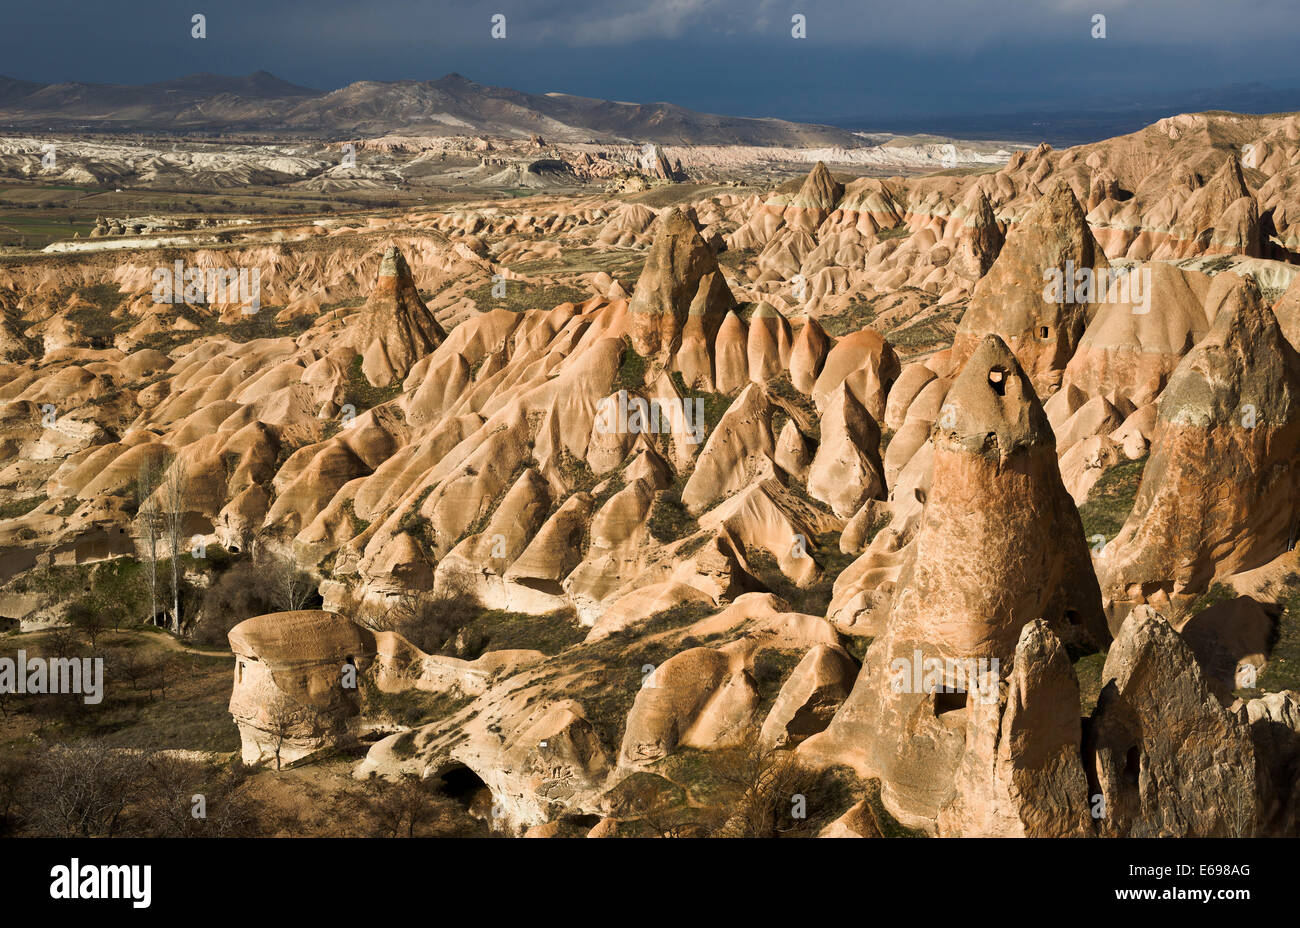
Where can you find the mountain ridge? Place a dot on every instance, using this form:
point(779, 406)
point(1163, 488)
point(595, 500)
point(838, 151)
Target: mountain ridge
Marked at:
point(450, 105)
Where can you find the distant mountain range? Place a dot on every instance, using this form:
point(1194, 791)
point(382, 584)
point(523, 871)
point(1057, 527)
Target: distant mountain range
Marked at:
point(1074, 125)
point(452, 105)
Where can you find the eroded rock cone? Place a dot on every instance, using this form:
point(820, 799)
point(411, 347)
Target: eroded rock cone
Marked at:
point(820, 191)
point(1168, 759)
point(979, 238)
point(1015, 299)
point(1134, 343)
point(1000, 545)
point(1221, 491)
point(1219, 218)
point(997, 510)
point(680, 279)
point(396, 329)
point(1022, 773)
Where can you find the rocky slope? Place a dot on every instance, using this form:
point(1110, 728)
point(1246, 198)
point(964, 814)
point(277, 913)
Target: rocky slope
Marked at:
point(834, 470)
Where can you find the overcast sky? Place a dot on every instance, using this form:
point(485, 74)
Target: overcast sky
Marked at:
point(864, 58)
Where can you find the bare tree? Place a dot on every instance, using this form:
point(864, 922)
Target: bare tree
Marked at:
point(281, 721)
point(758, 784)
point(167, 805)
point(175, 498)
point(81, 790)
point(292, 586)
point(149, 527)
point(403, 805)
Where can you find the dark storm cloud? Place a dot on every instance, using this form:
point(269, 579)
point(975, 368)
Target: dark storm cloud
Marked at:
point(735, 56)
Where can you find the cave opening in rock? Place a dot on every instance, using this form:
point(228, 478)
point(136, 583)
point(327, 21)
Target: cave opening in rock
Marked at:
point(948, 702)
point(998, 381)
point(1132, 763)
point(460, 783)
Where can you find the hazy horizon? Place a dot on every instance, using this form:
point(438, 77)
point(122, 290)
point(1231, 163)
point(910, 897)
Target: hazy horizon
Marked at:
point(859, 67)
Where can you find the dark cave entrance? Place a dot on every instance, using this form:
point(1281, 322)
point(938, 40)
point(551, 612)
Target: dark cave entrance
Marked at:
point(998, 381)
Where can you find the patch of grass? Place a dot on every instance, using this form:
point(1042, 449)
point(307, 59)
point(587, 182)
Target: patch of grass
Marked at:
point(58, 582)
point(360, 393)
point(696, 771)
point(1218, 265)
point(825, 550)
point(673, 194)
point(154, 698)
point(623, 264)
point(679, 616)
point(631, 794)
point(735, 258)
point(20, 507)
point(631, 369)
point(250, 327)
point(1111, 499)
point(745, 791)
point(614, 666)
point(522, 296)
point(96, 321)
point(1283, 669)
point(1088, 669)
point(859, 314)
point(921, 335)
point(782, 389)
point(715, 405)
point(889, 826)
point(899, 231)
point(613, 484)
point(410, 707)
point(576, 472)
point(692, 546)
point(416, 525)
point(669, 521)
point(499, 630)
point(857, 646)
point(875, 528)
point(772, 667)
point(358, 524)
point(1216, 594)
point(404, 746)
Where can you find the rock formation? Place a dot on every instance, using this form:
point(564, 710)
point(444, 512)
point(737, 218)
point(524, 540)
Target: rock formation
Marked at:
point(1041, 292)
point(1220, 493)
point(395, 329)
point(297, 683)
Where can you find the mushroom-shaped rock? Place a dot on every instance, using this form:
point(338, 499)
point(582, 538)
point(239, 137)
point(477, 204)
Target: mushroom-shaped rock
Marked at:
point(999, 545)
point(297, 678)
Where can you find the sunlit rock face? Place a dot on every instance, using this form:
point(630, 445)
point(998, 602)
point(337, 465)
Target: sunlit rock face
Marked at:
point(297, 683)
